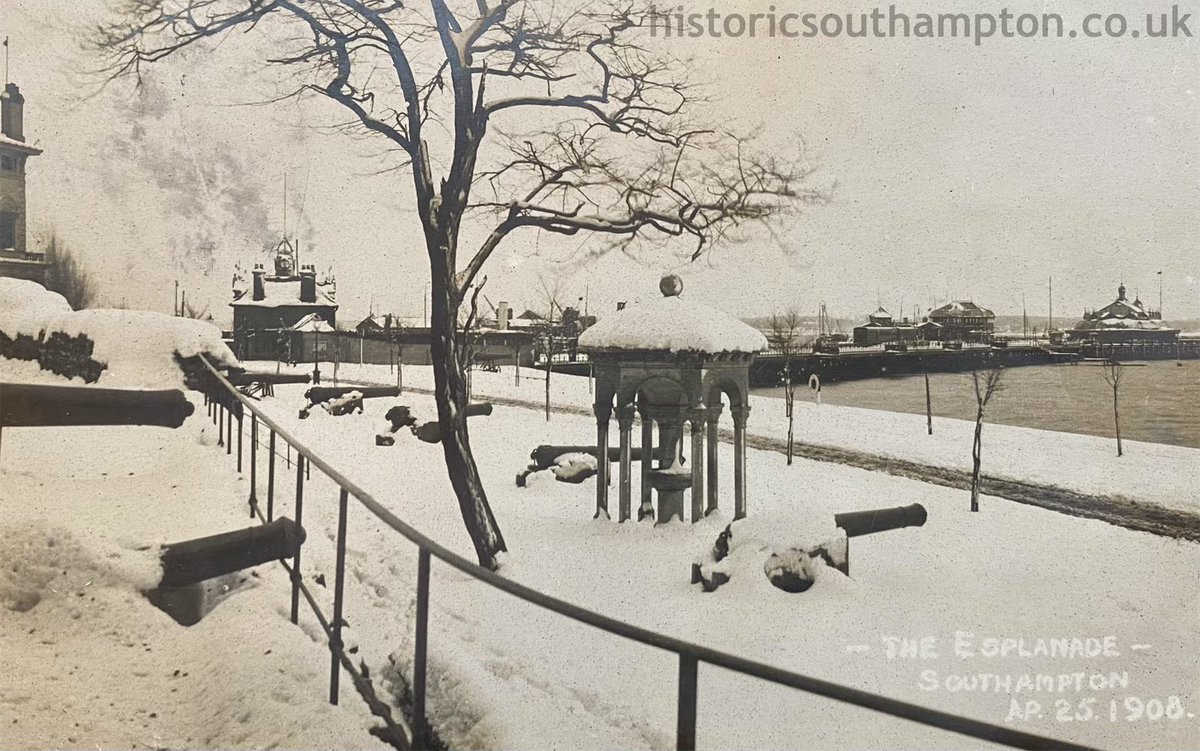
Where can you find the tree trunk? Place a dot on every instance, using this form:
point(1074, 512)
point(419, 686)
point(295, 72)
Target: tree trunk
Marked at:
point(1117, 422)
point(928, 406)
point(791, 416)
point(976, 447)
point(549, 363)
point(450, 392)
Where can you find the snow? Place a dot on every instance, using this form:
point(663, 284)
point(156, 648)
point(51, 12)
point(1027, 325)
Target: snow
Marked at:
point(277, 293)
point(506, 674)
point(25, 304)
point(674, 324)
point(88, 662)
point(138, 347)
point(1149, 473)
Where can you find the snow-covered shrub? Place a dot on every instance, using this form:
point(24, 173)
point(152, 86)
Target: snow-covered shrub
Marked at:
point(114, 348)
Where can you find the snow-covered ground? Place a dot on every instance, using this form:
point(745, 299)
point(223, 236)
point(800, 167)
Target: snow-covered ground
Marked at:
point(506, 674)
point(1149, 473)
point(88, 662)
point(509, 675)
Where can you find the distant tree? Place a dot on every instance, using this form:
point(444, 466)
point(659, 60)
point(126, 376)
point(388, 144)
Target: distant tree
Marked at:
point(549, 330)
point(65, 274)
point(987, 384)
point(1112, 375)
point(782, 339)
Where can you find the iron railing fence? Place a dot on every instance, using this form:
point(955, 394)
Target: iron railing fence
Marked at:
point(225, 404)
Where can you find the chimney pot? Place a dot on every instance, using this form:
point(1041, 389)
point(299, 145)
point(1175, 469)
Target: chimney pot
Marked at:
point(308, 284)
point(259, 291)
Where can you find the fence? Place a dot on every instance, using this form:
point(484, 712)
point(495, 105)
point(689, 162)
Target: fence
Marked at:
point(226, 403)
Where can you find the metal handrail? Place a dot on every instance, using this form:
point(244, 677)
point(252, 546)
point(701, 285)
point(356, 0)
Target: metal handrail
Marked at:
point(689, 653)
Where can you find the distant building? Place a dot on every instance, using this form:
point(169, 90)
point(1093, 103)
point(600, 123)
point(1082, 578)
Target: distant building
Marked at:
point(15, 258)
point(963, 321)
point(882, 329)
point(279, 305)
point(1122, 321)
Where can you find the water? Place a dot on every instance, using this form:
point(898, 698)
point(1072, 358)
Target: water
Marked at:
point(1159, 401)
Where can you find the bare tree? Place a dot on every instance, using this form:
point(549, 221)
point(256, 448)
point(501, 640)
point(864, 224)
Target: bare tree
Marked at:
point(782, 338)
point(65, 274)
point(987, 385)
point(548, 330)
point(1112, 375)
point(506, 115)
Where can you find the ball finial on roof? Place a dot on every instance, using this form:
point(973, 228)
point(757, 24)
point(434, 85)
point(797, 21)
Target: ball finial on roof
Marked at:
point(671, 285)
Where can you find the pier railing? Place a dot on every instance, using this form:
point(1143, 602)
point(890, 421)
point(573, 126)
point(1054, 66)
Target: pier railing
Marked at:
point(227, 406)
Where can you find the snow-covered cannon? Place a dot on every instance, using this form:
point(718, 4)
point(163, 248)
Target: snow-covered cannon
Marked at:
point(431, 432)
point(861, 523)
point(399, 416)
point(246, 378)
point(263, 384)
point(318, 394)
point(185, 565)
point(545, 455)
point(38, 405)
point(342, 400)
point(793, 569)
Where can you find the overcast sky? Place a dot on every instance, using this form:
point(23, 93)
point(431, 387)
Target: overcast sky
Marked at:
point(961, 171)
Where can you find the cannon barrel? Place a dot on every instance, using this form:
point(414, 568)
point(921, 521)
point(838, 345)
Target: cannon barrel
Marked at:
point(193, 561)
point(543, 456)
point(38, 405)
point(859, 523)
point(245, 378)
point(318, 394)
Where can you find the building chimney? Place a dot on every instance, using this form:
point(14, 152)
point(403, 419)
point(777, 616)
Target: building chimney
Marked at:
point(260, 291)
point(12, 105)
point(308, 284)
point(502, 316)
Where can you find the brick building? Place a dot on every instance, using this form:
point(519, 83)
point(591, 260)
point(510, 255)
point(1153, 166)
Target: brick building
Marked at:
point(278, 308)
point(16, 260)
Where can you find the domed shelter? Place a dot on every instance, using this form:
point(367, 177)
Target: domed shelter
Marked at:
point(670, 361)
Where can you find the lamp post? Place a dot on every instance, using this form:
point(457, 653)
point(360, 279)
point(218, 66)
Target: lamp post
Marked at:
point(425, 303)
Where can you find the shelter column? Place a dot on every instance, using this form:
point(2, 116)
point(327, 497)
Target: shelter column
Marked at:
point(696, 419)
point(603, 412)
point(625, 421)
point(739, 460)
point(646, 510)
point(714, 416)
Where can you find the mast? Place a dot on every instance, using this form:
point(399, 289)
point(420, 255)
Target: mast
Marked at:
point(1024, 318)
point(1050, 318)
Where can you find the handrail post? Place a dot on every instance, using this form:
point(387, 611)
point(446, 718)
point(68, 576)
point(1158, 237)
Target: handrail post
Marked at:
point(271, 478)
point(335, 638)
point(299, 522)
point(420, 650)
point(220, 424)
point(685, 732)
point(241, 413)
point(229, 430)
point(253, 463)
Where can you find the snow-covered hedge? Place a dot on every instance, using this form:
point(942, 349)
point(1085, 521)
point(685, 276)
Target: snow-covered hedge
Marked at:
point(112, 348)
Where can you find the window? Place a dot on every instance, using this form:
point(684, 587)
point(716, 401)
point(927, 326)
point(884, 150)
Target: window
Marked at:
point(8, 229)
point(7, 163)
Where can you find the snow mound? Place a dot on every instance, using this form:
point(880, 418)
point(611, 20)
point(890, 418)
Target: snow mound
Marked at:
point(42, 561)
point(673, 324)
point(24, 305)
point(138, 348)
